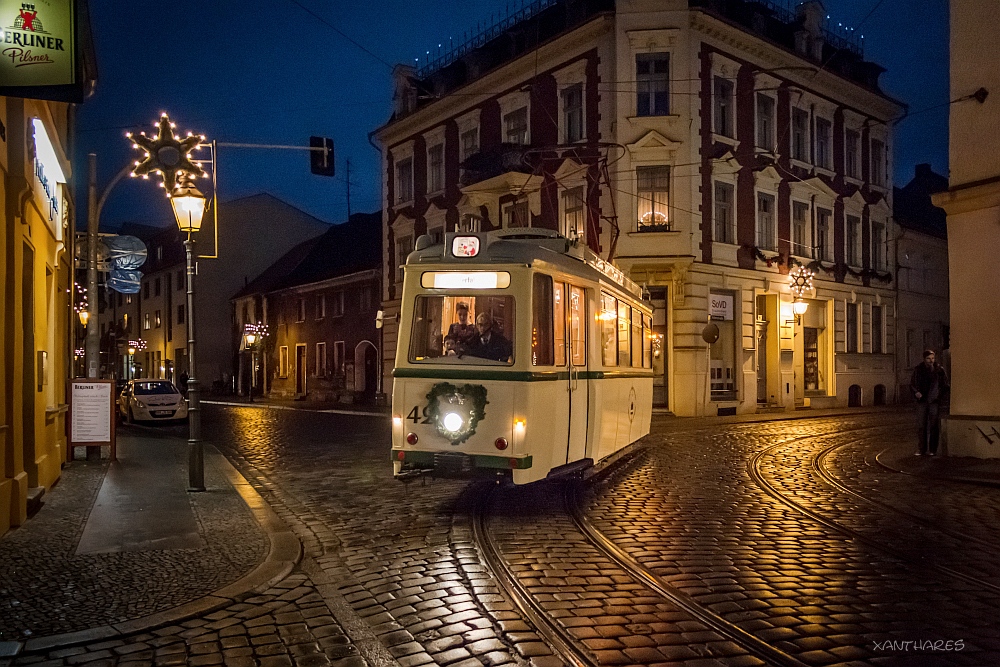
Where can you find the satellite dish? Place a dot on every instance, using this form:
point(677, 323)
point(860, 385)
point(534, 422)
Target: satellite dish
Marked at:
point(125, 252)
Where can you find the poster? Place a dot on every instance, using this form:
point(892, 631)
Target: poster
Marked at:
point(91, 408)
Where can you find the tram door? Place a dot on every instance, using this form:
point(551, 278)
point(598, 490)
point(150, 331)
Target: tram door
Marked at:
point(579, 384)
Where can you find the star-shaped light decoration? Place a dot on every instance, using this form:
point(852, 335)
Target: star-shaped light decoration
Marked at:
point(166, 154)
point(800, 281)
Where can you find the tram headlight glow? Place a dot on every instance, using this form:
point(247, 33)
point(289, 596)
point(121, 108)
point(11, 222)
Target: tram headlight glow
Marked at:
point(452, 422)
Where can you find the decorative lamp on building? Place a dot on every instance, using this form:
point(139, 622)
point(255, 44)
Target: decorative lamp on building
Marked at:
point(800, 282)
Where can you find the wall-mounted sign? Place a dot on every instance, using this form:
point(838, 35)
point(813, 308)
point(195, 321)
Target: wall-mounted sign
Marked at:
point(48, 173)
point(37, 43)
point(720, 306)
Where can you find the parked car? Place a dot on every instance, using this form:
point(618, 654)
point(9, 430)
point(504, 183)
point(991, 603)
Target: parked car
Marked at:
point(151, 400)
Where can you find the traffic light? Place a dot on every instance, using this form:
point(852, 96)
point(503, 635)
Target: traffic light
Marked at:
point(321, 162)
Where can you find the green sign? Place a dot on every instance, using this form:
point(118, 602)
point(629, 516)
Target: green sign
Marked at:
point(37, 43)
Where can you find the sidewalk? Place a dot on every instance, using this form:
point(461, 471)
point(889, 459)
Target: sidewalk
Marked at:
point(330, 407)
point(122, 547)
point(942, 467)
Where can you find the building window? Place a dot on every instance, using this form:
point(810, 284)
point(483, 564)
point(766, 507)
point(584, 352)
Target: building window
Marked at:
point(852, 327)
point(283, 361)
point(404, 246)
point(877, 337)
point(300, 315)
point(404, 180)
point(119, 298)
point(653, 188)
point(652, 75)
point(365, 298)
point(338, 357)
point(878, 246)
point(765, 122)
point(574, 214)
point(156, 287)
point(824, 146)
point(180, 280)
point(725, 227)
point(128, 298)
point(321, 306)
point(823, 244)
point(337, 304)
point(800, 229)
point(515, 214)
point(800, 135)
point(470, 143)
point(572, 101)
point(723, 107)
point(853, 240)
point(158, 320)
point(766, 233)
point(878, 162)
point(852, 160)
point(435, 168)
point(320, 359)
point(722, 353)
point(180, 314)
point(145, 290)
point(516, 125)
point(146, 322)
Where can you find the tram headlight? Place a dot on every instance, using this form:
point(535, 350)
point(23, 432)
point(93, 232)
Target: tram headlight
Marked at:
point(452, 422)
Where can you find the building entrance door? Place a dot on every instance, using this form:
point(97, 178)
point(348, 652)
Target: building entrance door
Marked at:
point(810, 350)
point(761, 360)
point(300, 370)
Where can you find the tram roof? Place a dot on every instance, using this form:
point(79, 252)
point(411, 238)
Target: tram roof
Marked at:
point(525, 246)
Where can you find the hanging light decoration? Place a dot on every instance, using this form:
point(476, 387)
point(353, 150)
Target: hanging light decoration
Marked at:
point(801, 282)
point(167, 153)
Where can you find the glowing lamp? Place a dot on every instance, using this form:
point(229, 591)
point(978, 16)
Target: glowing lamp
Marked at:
point(800, 306)
point(84, 316)
point(452, 422)
point(131, 349)
point(251, 338)
point(189, 207)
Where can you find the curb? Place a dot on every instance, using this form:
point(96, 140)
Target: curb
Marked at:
point(978, 481)
point(283, 555)
point(328, 411)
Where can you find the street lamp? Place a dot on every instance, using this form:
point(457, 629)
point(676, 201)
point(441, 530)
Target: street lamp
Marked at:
point(253, 337)
point(133, 347)
point(189, 208)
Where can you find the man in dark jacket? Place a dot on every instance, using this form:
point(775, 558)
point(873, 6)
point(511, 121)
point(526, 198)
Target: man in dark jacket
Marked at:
point(488, 343)
point(928, 383)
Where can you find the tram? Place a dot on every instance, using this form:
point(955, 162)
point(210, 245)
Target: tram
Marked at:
point(521, 353)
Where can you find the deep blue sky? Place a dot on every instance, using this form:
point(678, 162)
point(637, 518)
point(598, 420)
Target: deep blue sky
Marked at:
point(266, 71)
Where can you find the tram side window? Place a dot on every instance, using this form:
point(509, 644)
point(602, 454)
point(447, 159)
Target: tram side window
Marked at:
point(647, 341)
point(609, 341)
point(577, 323)
point(463, 330)
point(636, 338)
point(559, 320)
point(542, 353)
point(624, 317)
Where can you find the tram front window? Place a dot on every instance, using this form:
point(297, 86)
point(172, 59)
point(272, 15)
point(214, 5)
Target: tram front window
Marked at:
point(464, 330)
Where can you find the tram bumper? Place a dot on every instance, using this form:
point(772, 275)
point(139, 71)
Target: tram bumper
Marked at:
point(456, 464)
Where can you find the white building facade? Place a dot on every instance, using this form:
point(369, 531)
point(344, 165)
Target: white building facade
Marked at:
point(706, 153)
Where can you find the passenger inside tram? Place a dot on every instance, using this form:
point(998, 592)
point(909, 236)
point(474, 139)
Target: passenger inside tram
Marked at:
point(487, 342)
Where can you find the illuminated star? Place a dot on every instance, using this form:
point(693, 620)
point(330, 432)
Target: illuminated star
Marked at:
point(166, 154)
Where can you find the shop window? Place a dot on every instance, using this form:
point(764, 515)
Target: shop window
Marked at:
point(722, 371)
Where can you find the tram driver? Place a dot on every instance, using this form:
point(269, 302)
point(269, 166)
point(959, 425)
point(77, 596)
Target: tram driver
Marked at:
point(488, 343)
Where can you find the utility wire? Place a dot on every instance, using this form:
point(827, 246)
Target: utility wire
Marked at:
point(340, 32)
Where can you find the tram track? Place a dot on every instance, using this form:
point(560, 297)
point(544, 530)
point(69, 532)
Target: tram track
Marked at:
point(821, 469)
point(753, 470)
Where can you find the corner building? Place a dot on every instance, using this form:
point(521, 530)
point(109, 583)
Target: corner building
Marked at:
point(704, 147)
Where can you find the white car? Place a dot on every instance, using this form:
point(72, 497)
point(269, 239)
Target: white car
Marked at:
point(151, 400)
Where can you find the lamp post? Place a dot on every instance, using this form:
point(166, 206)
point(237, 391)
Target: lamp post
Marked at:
point(133, 347)
point(253, 337)
point(169, 156)
point(189, 208)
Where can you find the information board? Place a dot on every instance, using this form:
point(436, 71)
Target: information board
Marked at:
point(92, 414)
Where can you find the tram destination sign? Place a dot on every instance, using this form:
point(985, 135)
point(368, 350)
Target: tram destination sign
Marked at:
point(38, 48)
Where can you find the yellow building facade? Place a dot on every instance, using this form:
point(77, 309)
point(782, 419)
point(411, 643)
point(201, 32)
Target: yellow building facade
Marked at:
point(36, 264)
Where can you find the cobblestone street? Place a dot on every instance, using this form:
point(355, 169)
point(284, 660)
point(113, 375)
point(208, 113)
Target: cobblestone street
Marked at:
point(721, 542)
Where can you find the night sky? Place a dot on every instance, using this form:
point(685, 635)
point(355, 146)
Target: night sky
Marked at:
point(269, 71)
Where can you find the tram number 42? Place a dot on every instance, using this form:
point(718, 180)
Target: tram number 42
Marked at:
point(415, 415)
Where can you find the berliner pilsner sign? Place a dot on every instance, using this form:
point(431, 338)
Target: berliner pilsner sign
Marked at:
point(37, 43)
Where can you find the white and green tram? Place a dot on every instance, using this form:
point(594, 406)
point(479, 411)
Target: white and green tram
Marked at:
point(520, 353)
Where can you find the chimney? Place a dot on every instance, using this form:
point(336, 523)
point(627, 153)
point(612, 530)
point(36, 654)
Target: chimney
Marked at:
point(809, 37)
point(404, 96)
